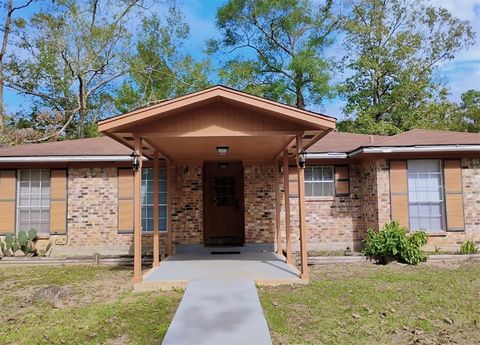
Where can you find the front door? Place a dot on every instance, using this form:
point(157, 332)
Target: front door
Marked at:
point(223, 203)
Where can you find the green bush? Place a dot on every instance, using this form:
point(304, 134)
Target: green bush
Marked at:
point(468, 247)
point(393, 242)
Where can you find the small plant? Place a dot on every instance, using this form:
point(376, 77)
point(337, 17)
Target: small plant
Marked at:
point(25, 242)
point(468, 247)
point(393, 243)
point(437, 250)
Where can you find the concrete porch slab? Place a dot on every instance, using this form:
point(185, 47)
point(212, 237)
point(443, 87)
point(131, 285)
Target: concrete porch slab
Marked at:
point(264, 268)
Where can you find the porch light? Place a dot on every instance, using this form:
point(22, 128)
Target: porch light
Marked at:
point(302, 159)
point(135, 163)
point(222, 150)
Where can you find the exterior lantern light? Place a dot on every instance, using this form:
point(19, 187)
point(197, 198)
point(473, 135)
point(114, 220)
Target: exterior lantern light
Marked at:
point(222, 150)
point(135, 163)
point(302, 159)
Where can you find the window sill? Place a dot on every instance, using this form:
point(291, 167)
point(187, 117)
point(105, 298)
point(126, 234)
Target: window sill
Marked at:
point(150, 233)
point(437, 234)
point(319, 198)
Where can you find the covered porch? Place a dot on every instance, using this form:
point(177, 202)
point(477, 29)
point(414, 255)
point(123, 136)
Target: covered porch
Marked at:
point(217, 137)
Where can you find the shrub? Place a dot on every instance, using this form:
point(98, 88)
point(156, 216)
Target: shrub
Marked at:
point(468, 247)
point(393, 242)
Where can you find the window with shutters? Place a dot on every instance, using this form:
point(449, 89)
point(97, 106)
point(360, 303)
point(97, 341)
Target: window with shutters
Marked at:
point(426, 195)
point(319, 181)
point(33, 200)
point(147, 199)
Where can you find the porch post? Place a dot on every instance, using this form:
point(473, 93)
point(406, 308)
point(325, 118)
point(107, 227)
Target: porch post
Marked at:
point(277, 208)
point(156, 237)
point(301, 213)
point(169, 209)
point(286, 188)
point(137, 212)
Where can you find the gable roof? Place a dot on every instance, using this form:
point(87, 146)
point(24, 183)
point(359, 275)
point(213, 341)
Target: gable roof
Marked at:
point(168, 107)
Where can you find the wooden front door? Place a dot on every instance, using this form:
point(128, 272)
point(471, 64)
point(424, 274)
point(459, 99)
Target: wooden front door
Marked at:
point(223, 203)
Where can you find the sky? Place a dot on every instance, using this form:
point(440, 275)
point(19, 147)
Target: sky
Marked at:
point(460, 74)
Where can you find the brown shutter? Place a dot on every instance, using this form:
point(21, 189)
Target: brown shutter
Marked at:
point(452, 171)
point(342, 180)
point(399, 192)
point(125, 200)
point(58, 201)
point(293, 181)
point(8, 193)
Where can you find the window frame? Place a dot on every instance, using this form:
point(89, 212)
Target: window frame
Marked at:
point(160, 204)
point(442, 202)
point(321, 182)
point(42, 209)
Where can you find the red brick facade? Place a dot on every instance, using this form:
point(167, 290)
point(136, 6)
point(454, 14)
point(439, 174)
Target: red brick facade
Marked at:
point(333, 222)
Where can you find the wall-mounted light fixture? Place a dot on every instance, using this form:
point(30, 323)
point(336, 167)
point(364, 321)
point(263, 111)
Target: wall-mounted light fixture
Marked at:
point(222, 150)
point(135, 162)
point(302, 159)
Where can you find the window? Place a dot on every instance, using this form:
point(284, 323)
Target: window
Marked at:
point(33, 206)
point(319, 181)
point(425, 195)
point(147, 199)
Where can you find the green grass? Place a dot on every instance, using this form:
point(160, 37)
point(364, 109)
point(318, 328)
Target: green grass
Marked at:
point(101, 309)
point(368, 304)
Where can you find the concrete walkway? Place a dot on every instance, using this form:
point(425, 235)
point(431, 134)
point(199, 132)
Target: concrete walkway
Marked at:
point(219, 312)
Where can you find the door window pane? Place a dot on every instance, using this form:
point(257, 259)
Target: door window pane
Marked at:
point(425, 194)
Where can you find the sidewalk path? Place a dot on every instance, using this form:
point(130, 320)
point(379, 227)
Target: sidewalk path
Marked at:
point(219, 312)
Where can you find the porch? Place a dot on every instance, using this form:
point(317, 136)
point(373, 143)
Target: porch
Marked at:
point(214, 139)
point(264, 268)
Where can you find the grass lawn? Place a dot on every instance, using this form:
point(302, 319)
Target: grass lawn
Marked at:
point(432, 303)
point(100, 307)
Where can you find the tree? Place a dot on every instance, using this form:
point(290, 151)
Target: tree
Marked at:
point(470, 110)
point(6, 28)
point(160, 69)
point(284, 43)
point(393, 50)
point(72, 56)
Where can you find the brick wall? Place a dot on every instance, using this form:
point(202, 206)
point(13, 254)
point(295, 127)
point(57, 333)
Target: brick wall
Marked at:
point(259, 192)
point(333, 223)
point(92, 216)
point(187, 204)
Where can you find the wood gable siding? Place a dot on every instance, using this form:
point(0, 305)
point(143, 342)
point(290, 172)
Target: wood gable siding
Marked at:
point(214, 117)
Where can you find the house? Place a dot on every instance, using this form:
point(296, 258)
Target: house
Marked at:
point(230, 169)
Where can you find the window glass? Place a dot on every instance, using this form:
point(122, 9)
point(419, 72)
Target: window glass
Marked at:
point(33, 206)
point(147, 199)
point(319, 181)
point(425, 195)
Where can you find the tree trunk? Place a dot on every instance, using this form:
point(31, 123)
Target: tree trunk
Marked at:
point(300, 102)
point(3, 50)
point(82, 108)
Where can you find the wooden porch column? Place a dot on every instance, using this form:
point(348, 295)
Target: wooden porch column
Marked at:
point(277, 208)
point(156, 236)
point(301, 211)
point(137, 214)
point(169, 210)
point(286, 188)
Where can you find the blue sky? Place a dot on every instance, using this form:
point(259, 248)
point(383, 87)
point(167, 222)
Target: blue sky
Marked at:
point(461, 74)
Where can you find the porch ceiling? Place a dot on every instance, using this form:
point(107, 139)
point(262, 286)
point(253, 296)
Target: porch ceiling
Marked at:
point(190, 128)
